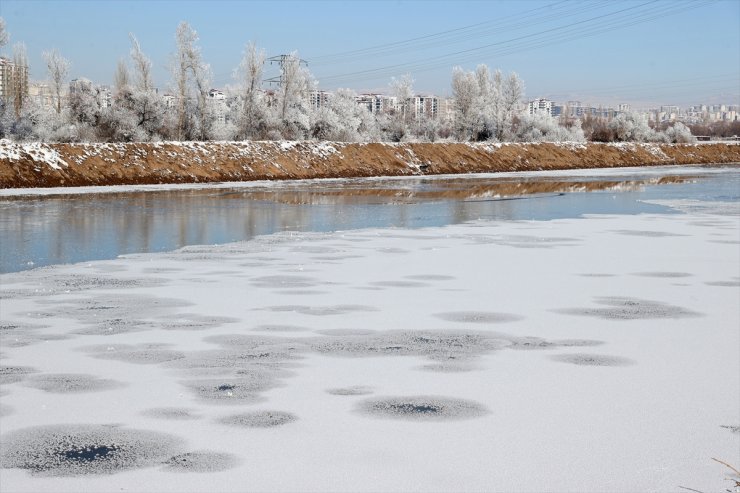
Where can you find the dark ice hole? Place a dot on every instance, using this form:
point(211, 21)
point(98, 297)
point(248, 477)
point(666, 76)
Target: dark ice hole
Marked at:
point(90, 454)
point(415, 408)
point(226, 387)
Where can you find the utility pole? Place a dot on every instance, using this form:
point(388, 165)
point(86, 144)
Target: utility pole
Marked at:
point(282, 60)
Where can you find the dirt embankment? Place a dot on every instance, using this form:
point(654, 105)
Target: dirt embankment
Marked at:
point(56, 165)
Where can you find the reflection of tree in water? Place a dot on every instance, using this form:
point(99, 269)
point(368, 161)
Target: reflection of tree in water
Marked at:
point(73, 228)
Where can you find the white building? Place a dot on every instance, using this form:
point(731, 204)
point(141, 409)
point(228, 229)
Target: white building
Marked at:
point(423, 105)
point(540, 106)
point(377, 103)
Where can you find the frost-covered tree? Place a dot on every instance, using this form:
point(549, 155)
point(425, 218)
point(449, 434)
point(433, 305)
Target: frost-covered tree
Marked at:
point(251, 113)
point(84, 105)
point(121, 79)
point(466, 94)
point(403, 90)
point(512, 91)
point(631, 127)
point(343, 120)
point(292, 102)
point(541, 127)
point(4, 36)
point(144, 102)
point(58, 69)
point(191, 73)
point(485, 103)
point(679, 134)
point(185, 38)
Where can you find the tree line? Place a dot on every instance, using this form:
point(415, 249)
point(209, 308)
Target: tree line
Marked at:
point(486, 107)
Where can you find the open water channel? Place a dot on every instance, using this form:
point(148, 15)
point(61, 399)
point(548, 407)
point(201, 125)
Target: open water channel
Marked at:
point(54, 228)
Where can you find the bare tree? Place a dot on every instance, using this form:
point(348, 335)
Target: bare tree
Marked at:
point(58, 69)
point(19, 79)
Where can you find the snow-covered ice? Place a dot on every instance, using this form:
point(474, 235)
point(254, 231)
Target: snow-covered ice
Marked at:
point(591, 354)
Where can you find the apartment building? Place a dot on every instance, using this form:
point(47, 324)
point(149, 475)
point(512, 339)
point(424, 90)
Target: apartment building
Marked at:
point(13, 79)
point(423, 105)
point(377, 103)
point(539, 106)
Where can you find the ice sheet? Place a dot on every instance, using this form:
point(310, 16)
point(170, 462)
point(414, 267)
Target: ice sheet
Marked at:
point(593, 354)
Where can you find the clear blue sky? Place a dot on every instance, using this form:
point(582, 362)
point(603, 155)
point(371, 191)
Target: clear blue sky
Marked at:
point(641, 52)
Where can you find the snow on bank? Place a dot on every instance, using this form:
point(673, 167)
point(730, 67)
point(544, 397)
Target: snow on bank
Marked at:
point(38, 152)
point(596, 354)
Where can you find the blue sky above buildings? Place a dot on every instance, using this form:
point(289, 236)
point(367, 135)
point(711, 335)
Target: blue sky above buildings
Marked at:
point(640, 52)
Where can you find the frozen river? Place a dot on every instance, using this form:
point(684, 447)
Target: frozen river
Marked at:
point(48, 227)
point(562, 332)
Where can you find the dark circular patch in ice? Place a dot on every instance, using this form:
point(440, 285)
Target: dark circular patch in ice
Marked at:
point(135, 353)
point(479, 317)
point(321, 310)
point(529, 343)
point(450, 367)
point(193, 321)
point(430, 277)
point(201, 461)
point(231, 390)
point(422, 408)
point(726, 284)
point(648, 234)
point(13, 374)
point(302, 292)
point(259, 419)
point(623, 308)
point(115, 326)
point(435, 345)
point(284, 281)
point(71, 383)
point(670, 275)
point(346, 332)
point(73, 450)
point(355, 390)
point(400, 284)
point(173, 413)
point(19, 335)
point(592, 359)
point(280, 328)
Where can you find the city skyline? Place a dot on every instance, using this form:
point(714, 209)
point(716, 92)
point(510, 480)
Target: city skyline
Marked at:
point(641, 53)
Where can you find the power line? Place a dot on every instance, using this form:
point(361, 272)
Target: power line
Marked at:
point(567, 32)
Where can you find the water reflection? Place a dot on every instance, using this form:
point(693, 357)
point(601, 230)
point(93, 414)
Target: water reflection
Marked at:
point(48, 230)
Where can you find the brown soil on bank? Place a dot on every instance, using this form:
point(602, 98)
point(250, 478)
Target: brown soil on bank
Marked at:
point(58, 165)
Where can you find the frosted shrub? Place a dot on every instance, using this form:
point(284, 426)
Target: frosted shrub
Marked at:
point(629, 127)
point(541, 127)
point(679, 134)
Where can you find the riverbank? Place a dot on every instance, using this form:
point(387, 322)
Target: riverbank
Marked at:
point(68, 165)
